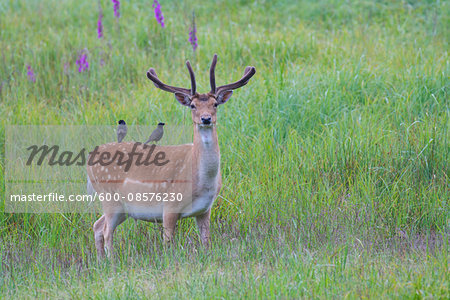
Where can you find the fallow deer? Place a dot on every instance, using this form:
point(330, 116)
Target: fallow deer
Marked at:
point(203, 154)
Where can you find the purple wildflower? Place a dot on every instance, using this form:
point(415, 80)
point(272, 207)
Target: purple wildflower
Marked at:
point(100, 25)
point(30, 74)
point(116, 8)
point(193, 34)
point(158, 13)
point(82, 63)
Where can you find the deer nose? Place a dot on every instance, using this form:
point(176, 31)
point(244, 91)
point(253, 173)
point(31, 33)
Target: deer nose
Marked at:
point(206, 119)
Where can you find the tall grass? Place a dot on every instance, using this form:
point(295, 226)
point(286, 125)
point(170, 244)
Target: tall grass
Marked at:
point(334, 157)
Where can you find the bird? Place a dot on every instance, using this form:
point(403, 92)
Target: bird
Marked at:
point(121, 130)
point(157, 134)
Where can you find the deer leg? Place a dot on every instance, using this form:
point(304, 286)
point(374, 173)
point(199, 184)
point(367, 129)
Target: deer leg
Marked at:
point(169, 224)
point(203, 222)
point(98, 236)
point(112, 220)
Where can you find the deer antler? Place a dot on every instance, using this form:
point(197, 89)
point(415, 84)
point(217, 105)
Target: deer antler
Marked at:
point(151, 74)
point(248, 73)
point(212, 75)
point(191, 73)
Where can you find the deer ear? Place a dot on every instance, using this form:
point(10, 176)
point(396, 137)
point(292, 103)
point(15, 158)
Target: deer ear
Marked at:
point(224, 96)
point(183, 99)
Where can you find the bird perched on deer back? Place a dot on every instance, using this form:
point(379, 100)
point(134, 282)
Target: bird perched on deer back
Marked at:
point(157, 134)
point(121, 130)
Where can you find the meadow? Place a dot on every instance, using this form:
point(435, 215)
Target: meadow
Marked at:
point(334, 157)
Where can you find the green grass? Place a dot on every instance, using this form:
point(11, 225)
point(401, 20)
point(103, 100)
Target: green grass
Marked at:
point(334, 156)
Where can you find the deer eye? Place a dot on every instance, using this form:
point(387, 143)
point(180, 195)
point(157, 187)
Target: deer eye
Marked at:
point(192, 106)
point(216, 104)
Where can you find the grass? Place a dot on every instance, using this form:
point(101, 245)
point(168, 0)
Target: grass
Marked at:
point(334, 157)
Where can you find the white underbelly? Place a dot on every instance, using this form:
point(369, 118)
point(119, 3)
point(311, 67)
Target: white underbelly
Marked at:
point(198, 206)
point(145, 213)
point(154, 213)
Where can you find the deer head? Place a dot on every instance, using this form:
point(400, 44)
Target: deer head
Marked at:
point(203, 106)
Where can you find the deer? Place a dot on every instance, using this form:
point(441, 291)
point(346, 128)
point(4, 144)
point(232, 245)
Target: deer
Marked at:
point(203, 154)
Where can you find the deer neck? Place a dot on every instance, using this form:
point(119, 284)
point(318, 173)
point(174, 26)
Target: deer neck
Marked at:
point(206, 154)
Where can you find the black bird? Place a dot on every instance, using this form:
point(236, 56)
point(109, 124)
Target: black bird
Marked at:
point(121, 130)
point(157, 134)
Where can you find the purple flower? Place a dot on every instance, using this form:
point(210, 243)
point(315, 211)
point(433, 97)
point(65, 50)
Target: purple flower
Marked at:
point(193, 34)
point(100, 25)
point(82, 62)
point(158, 13)
point(116, 8)
point(30, 74)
